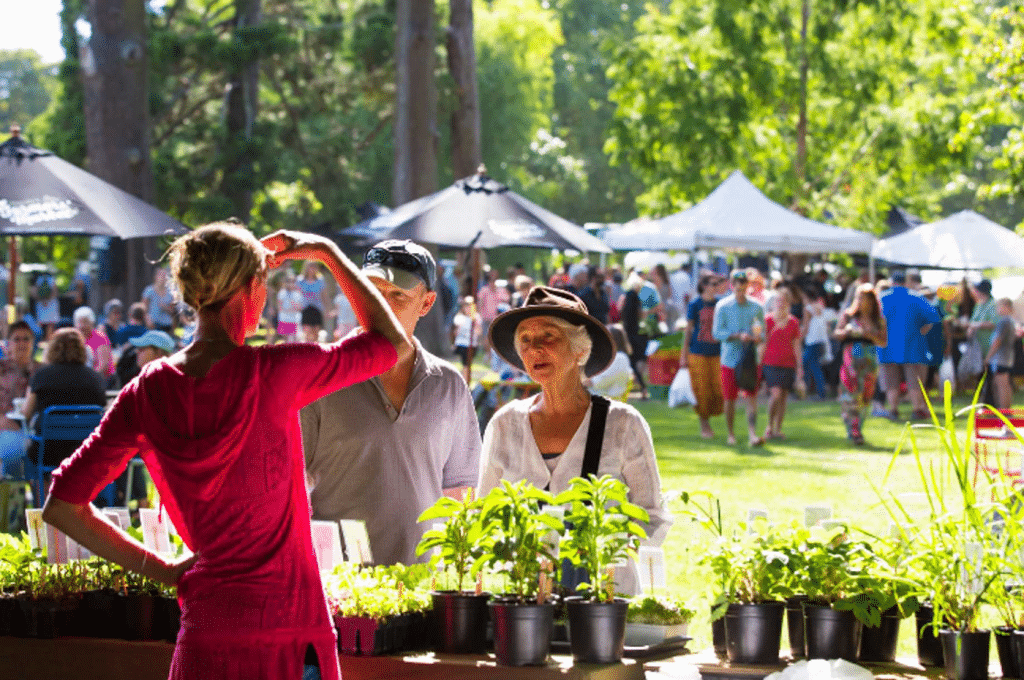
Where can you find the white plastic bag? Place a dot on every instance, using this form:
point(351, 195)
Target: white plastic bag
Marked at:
point(680, 393)
point(947, 373)
point(971, 361)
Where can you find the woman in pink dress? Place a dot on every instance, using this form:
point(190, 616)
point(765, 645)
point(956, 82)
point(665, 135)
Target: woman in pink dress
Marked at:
point(217, 426)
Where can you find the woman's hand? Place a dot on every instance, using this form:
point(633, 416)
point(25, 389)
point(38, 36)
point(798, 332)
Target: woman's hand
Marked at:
point(293, 245)
point(169, 572)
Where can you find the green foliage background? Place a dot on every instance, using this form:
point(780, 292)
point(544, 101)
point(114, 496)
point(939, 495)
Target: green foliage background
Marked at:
point(599, 111)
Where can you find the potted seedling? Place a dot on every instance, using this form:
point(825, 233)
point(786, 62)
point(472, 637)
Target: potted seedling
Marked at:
point(372, 608)
point(519, 549)
point(651, 620)
point(602, 529)
point(756, 579)
point(460, 616)
point(706, 510)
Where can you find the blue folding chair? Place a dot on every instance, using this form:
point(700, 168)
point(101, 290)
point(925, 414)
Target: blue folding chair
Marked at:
point(67, 424)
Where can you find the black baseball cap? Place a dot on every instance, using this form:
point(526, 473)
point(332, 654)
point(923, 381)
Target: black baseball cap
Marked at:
point(401, 262)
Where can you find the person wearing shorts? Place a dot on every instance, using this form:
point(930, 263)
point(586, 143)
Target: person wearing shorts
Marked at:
point(466, 332)
point(780, 365)
point(999, 358)
point(737, 320)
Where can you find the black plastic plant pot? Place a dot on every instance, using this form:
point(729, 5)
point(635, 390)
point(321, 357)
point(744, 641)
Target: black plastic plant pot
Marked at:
point(929, 647)
point(11, 622)
point(138, 616)
point(597, 630)
point(172, 612)
point(878, 643)
point(1007, 653)
point(47, 618)
point(830, 633)
point(460, 622)
point(795, 625)
point(98, 614)
point(718, 636)
point(522, 632)
point(753, 632)
point(1017, 647)
point(966, 654)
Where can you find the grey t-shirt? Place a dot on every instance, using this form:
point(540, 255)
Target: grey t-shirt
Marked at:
point(1007, 334)
point(372, 463)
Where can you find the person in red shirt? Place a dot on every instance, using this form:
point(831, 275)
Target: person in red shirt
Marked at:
point(217, 425)
point(780, 364)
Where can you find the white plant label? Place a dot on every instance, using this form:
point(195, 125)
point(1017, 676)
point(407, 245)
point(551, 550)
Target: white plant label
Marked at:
point(650, 568)
point(56, 545)
point(121, 518)
point(326, 544)
point(754, 513)
point(813, 514)
point(36, 528)
point(357, 541)
point(154, 530)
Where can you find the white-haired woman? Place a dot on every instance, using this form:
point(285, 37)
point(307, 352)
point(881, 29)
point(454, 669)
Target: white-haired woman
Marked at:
point(543, 438)
point(96, 340)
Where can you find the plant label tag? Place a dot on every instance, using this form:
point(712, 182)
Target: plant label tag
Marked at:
point(154, 531)
point(650, 568)
point(357, 541)
point(831, 524)
point(326, 544)
point(120, 517)
point(77, 551)
point(753, 514)
point(813, 514)
point(56, 545)
point(36, 528)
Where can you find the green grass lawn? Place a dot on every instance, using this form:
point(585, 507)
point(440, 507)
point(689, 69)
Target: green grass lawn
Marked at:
point(816, 464)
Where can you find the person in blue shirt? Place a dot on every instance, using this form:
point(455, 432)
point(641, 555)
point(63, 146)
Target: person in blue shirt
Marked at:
point(738, 320)
point(908, 319)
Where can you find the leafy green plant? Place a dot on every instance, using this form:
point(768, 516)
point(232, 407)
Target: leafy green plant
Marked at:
point(376, 592)
point(602, 530)
point(658, 611)
point(958, 557)
point(461, 543)
point(517, 532)
point(749, 565)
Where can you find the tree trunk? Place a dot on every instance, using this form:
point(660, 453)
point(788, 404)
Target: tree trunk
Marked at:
point(800, 166)
point(415, 137)
point(117, 119)
point(462, 66)
point(242, 103)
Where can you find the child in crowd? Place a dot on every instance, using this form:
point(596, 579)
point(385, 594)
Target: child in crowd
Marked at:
point(466, 335)
point(1000, 353)
point(780, 364)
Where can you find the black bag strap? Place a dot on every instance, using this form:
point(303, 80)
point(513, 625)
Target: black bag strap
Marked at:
point(595, 435)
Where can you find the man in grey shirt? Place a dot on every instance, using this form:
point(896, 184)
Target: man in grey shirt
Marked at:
point(385, 449)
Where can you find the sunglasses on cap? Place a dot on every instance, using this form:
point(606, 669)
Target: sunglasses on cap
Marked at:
point(399, 260)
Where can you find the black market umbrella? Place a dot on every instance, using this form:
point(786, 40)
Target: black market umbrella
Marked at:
point(43, 195)
point(477, 212)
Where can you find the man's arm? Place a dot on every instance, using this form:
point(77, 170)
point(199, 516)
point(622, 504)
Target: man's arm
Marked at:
point(462, 469)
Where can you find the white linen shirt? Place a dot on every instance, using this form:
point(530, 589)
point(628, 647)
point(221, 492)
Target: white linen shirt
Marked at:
point(510, 452)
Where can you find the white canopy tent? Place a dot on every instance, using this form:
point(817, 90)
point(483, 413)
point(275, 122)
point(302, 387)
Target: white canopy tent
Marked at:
point(964, 240)
point(737, 215)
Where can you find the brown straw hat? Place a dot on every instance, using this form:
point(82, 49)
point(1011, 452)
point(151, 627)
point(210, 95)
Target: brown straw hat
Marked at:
point(544, 301)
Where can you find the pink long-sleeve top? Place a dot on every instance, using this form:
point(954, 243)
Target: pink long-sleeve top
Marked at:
point(224, 450)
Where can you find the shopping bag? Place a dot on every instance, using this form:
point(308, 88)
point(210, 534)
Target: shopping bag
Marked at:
point(947, 374)
point(746, 372)
point(971, 362)
point(680, 393)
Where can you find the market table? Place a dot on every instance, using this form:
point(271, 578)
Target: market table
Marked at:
point(102, 659)
point(713, 668)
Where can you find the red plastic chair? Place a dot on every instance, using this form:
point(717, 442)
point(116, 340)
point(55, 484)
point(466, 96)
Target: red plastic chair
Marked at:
point(997, 450)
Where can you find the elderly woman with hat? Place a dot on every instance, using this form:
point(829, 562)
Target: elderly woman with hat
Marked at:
point(564, 432)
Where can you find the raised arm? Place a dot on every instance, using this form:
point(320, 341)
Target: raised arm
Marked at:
point(370, 309)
